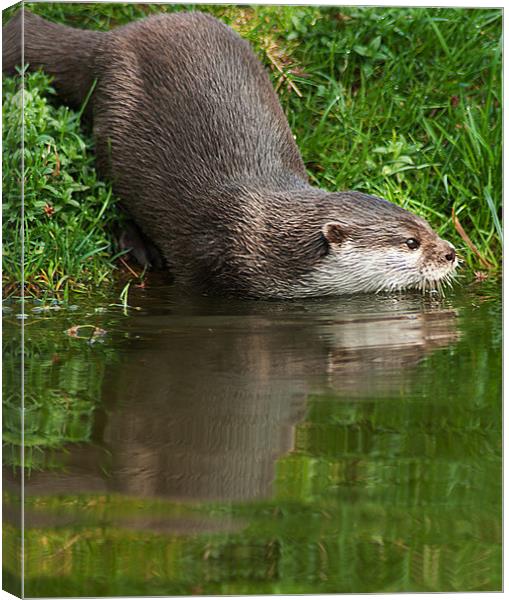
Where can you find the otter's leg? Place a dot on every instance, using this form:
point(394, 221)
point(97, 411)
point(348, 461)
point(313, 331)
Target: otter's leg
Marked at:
point(66, 53)
point(140, 247)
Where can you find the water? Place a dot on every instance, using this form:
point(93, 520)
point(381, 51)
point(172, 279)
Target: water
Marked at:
point(201, 446)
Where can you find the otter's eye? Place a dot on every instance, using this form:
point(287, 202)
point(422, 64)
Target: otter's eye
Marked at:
point(413, 244)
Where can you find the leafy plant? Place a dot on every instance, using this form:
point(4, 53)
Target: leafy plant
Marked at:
point(62, 226)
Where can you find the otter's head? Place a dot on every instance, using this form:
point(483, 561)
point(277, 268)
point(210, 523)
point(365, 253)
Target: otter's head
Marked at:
point(374, 245)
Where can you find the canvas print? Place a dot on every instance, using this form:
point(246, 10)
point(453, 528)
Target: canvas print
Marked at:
point(251, 299)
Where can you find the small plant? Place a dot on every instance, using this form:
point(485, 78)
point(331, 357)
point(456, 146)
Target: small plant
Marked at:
point(66, 211)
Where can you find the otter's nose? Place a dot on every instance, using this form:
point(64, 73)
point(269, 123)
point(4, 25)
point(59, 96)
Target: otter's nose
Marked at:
point(451, 255)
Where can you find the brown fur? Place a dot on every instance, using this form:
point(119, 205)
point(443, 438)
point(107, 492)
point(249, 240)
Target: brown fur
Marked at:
point(192, 134)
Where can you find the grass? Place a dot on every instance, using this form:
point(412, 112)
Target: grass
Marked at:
point(67, 209)
point(404, 103)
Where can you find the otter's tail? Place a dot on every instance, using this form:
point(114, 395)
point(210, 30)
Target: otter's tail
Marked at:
point(66, 53)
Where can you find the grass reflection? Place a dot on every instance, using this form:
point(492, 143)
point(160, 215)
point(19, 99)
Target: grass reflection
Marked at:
point(381, 492)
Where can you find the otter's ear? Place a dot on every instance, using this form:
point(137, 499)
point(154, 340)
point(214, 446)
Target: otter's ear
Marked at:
point(334, 233)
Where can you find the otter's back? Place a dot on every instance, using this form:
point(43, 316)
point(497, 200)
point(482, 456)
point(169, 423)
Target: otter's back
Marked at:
point(185, 93)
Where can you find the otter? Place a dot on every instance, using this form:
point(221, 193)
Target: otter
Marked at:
point(192, 135)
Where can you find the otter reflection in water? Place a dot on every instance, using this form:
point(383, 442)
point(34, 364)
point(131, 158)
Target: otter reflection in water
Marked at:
point(202, 407)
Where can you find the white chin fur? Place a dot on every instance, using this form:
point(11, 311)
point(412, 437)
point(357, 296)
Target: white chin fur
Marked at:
point(353, 271)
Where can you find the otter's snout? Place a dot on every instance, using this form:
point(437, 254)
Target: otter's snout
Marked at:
point(445, 251)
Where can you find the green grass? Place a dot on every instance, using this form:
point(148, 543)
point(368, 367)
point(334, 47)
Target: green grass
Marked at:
point(402, 103)
point(67, 210)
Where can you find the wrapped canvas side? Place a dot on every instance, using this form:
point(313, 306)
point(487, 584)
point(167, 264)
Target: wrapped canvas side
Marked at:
point(12, 338)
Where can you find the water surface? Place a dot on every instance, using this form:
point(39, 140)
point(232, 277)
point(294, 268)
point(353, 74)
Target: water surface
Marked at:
point(205, 446)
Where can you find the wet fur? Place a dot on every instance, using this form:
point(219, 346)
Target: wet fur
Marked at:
point(190, 131)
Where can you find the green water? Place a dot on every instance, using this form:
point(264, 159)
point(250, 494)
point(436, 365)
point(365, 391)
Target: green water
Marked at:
point(200, 446)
